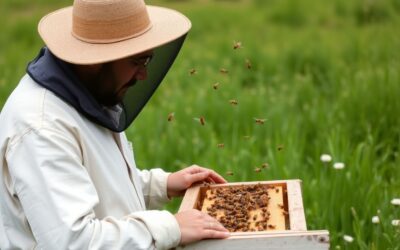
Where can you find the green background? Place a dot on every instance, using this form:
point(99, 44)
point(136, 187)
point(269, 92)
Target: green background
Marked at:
point(325, 75)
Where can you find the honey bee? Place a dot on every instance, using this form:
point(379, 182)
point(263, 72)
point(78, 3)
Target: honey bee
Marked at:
point(221, 145)
point(280, 147)
point(223, 71)
point(258, 170)
point(192, 72)
point(216, 85)
point(205, 184)
point(171, 117)
point(233, 102)
point(201, 120)
point(248, 63)
point(230, 173)
point(260, 121)
point(237, 45)
point(271, 226)
point(264, 165)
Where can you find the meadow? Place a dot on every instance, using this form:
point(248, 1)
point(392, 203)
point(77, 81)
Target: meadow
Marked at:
point(323, 77)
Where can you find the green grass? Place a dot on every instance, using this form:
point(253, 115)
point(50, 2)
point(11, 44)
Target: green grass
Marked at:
point(325, 75)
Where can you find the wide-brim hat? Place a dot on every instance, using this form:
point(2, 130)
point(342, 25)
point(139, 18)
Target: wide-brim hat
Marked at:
point(91, 32)
point(100, 31)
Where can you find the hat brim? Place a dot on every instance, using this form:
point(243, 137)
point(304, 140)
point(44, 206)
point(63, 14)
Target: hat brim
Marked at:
point(56, 32)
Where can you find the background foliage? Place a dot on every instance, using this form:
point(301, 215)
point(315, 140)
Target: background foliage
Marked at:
point(325, 76)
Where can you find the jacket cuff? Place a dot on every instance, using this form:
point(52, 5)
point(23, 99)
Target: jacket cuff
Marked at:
point(163, 226)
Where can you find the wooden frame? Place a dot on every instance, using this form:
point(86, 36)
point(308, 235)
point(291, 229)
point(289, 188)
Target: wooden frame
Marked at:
point(295, 235)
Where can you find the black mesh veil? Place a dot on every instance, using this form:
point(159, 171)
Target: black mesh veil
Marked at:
point(138, 95)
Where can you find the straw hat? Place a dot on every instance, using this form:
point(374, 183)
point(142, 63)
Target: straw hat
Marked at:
point(97, 31)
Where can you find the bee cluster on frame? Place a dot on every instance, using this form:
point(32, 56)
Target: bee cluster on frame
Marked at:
point(246, 208)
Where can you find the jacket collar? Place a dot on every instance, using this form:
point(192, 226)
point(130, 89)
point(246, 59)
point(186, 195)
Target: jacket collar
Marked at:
point(56, 76)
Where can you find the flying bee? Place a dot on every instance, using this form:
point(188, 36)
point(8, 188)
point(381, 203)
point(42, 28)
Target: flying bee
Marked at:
point(237, 45)
point(258, 170)
point(230, 173)
point(216, 85)
point(260, 121)
point(201, 120)
point(280, 147)
point(233, 102)
point(264, 165)
point(223, 71)
point(248, 63)
point(221, 145)
point(171, 117)
point(192, 72)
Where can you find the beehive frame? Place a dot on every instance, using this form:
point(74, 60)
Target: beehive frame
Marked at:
point(295, 235)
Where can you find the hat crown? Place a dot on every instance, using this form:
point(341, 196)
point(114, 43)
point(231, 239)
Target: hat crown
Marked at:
point(107, 21)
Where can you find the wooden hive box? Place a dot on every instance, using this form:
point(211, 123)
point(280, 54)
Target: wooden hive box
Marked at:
point(277, 224)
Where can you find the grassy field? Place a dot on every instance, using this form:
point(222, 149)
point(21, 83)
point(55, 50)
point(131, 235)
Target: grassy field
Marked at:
point(325, 76)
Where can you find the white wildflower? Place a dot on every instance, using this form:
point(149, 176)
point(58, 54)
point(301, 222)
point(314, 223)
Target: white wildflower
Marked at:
point(375, 219)
point(338, 165)
point(326, 158)
point(395, 201)
point(396, 223)
point(348, 238)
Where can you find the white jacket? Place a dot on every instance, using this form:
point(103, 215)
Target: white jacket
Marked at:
point(68, 183)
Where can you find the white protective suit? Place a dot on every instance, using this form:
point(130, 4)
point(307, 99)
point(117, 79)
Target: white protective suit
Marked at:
point(68, 183)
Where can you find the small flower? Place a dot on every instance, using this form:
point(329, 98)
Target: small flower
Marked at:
point(326, 158)
point(338, 165)
point(348, 238)
point(375, 219)
point(396, 223)
point(395, 201)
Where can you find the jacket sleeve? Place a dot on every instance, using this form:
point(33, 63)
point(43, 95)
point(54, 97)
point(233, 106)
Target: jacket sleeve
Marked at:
point(58, 197)
point(154, 186)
